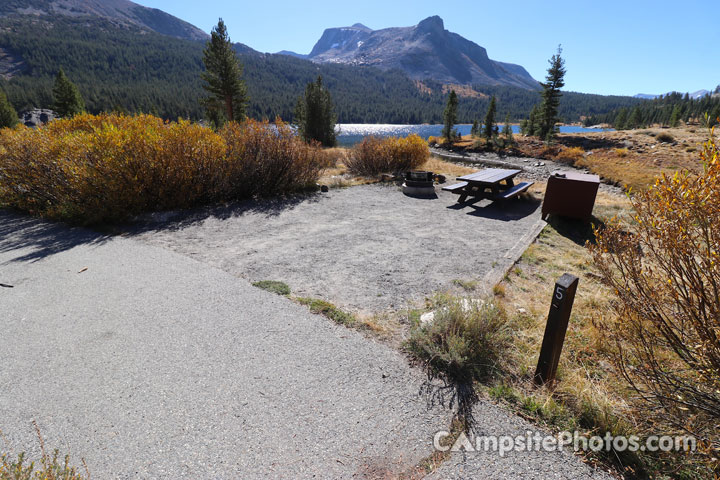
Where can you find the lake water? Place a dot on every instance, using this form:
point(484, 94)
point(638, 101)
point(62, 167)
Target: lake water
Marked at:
point(352, 133)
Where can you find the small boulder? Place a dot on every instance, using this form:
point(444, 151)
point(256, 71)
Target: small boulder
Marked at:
point(427, 318)
point(37, 117)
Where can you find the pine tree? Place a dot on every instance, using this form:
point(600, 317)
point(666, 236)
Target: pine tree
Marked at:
point(474, 130)
point(8, 115)
point(68, 101)
point(524, 126)
point(489, 125)
point(714, 117)
point(554, 81)
point(634, 119)
point(620, 119)
point(314, 114)
point(450, 116)
point(675, 116)
point(529, 126)
point(507, 130)
point(227, 98)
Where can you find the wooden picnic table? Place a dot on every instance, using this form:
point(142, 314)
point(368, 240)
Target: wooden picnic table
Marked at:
point(492, 183)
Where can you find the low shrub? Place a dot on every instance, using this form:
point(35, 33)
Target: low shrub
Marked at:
point(621, 152)
point(665, 137)
point(375, 155)
point(465, 341)
point(570, 155)
point(91, 169)
point(50, 468)
point(280, 288)
point(666, 278)
point(269, 161)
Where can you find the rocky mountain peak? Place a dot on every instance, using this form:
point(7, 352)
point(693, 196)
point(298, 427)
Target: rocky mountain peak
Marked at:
point(432, 24)
point(123, 12)
point(425, 51)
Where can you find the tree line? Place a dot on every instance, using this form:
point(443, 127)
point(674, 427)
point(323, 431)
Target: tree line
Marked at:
point(671, 110)
point(124, 68)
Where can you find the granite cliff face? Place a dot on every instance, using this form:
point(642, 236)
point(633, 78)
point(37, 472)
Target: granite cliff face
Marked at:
point(123, 12)
point(424, 51)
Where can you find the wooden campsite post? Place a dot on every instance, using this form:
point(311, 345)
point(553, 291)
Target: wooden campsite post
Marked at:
point(557, 323)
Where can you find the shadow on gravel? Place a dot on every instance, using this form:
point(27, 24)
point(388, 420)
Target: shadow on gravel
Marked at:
point(179, 219)
point(460, 396)
point(504, 211)
point(45, 238)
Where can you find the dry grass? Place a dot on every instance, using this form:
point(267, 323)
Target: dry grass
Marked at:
point(632, 158)
point(629, 170)
point(438, 165)
point(589, 395)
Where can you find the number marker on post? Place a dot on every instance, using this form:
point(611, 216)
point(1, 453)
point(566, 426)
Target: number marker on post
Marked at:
point(557, 323)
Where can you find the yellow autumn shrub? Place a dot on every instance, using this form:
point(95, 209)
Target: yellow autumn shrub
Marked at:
point(267, 160)
point(94, 168)
point(569, 155)
point(665, 274)
point(376, 155)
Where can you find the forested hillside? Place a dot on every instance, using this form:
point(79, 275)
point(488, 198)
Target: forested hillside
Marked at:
point(669, 110)
point(131, 69)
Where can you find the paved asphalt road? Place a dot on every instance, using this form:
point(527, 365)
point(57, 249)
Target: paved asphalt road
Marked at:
point(149, 364)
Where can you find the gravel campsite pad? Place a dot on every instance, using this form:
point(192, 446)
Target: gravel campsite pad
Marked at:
point(366, 248)
point(144, 363)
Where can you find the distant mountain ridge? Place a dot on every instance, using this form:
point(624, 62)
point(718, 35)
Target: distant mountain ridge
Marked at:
point(424, 51)
point(121, 60)
point(123, 12)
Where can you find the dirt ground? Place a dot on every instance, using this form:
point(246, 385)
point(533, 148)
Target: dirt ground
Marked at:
point(629, 159)
point(366, 248)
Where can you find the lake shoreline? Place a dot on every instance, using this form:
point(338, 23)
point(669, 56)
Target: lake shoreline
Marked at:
point(349, 134)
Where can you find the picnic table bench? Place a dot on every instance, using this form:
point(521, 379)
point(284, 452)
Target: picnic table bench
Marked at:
point(491, 183)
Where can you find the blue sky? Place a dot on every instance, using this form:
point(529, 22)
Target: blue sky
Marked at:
point(610, 47)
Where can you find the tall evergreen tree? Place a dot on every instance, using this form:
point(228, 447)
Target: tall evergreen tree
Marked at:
point(315, 114)
point(489, 125)
point(675, 116)
point(554, 81)
point(474, 130)
point(8, 115)
point(635, 119)
point(67, 99)
point(450, 115)
point(227, 98)
point(507, 130)
point(529, 126)
point(620, 119)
